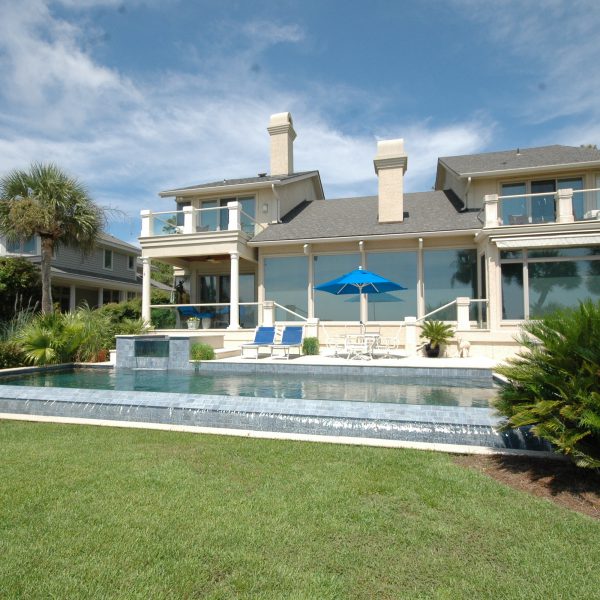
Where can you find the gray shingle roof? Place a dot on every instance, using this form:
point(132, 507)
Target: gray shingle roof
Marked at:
point(241, 181)
point(472, 164)
point(345, 217)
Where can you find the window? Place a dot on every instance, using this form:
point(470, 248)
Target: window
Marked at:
point(448, 275)
point(538, 281)
point(399, 267)
point(540, 208)
point(132, 295)
point(329, 307)
point(286, 282)
point(218, 220)
point(28, 246)
point(108, 259)
point(109, 296)
point(131, 262)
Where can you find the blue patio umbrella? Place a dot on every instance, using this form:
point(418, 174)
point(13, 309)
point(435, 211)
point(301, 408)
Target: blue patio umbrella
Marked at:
point(359, 281)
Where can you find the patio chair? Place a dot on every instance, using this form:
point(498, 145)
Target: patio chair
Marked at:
point(186, 312)
point(291, 337)
point(263, 337)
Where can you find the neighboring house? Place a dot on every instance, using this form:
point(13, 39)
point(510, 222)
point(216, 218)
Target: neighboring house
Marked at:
point(106, 274)
point(513, 234)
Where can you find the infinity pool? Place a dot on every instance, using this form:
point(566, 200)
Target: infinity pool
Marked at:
point(397, 390)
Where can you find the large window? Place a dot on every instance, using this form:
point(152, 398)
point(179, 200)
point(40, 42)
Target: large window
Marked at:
point(286, 282)
point(329, 307)
point(538, 281)
point(218, 220)
point(448, 275)
point(28, 246)
point(400, 267)
point(540, 207)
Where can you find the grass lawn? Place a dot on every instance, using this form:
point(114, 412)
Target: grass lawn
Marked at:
point(93, 512)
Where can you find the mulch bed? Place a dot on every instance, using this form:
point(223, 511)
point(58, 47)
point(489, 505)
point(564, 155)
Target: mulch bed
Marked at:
point(559, 481)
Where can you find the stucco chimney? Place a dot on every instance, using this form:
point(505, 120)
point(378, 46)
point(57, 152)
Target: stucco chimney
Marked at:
point(390, 165)
point(281, 130)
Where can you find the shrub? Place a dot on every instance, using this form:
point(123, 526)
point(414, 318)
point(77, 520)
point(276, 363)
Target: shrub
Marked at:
point(310, 346)
point(202, 352)
point(11, 355)
point(19, 286)
point(554, 384)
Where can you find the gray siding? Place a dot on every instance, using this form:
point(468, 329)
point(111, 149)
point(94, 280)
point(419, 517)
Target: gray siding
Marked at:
point(93, 263)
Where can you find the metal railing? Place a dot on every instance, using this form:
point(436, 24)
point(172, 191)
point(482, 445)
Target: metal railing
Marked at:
point(289, 311)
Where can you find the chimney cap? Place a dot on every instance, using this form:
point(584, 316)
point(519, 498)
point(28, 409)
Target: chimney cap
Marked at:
point(283, 118)
point(390, 154)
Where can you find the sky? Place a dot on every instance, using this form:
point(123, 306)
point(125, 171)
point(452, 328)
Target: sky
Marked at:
point(137, 96)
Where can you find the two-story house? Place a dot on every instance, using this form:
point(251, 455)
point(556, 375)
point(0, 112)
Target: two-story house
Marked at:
point(511, 235)
point(106, 274)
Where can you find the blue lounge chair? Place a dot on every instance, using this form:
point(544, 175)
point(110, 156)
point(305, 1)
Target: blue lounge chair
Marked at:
point(263, 337)
point(291, 338)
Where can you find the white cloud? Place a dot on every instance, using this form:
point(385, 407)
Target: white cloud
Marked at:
point(128, 139)
point(556, 43)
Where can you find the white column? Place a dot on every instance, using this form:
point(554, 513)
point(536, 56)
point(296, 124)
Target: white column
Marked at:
point(364, 315)
point(234, 313)
point(234, 215)
point(310, 283)
point(463, 322)
point(72, 298)
point(410, 335)
point(492, 218)
point(146, 216)
point(146, 264)
point(188, 219)
point(268, 319)
point(100, 297)
point(564, 206)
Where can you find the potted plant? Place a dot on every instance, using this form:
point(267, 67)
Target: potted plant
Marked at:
point(193, 323)
point(437, 333)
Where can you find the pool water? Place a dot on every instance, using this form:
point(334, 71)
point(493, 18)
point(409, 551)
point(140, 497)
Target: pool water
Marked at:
point(394, 390)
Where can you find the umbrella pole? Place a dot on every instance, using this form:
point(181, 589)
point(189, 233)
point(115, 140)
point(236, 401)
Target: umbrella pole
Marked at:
point(363, 307)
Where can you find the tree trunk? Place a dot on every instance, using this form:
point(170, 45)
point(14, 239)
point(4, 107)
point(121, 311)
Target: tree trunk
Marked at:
point(46, 260)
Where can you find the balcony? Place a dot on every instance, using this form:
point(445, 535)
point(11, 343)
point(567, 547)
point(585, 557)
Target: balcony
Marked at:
point(199, 220)
point(562, 206)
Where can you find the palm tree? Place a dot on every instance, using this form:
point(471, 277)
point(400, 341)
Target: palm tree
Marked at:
point(47, 202)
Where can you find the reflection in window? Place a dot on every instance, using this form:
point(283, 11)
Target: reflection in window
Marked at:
point(512, 291)
point(329, 307)
point(27, 246)
point(400, 267)
point(562, 284)
point(449, 274)
point(514, 210)
point(286, 281)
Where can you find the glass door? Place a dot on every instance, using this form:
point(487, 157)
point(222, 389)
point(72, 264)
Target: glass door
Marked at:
point(543, 207)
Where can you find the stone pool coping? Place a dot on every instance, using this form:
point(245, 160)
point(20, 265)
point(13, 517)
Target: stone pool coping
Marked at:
point(297, 437)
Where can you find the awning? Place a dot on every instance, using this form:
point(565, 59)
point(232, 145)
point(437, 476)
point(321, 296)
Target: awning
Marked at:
point(547, 242)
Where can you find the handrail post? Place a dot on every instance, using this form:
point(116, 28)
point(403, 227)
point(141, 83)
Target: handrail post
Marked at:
point(235, 208)
point(410, 335)
point(463, 323)
point(188, 219)
point(146, 216)
point(564, 206)
point(492, 218)
point(268, 319)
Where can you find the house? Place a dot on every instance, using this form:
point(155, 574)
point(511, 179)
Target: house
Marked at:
point(502, 237)
point(106, 274)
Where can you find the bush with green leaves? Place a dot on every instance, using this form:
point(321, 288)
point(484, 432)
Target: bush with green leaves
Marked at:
point(19, 286)
point(554, 383)
point(82, 335)
point(310, 346)
point(200, 351)
point(11, 355)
